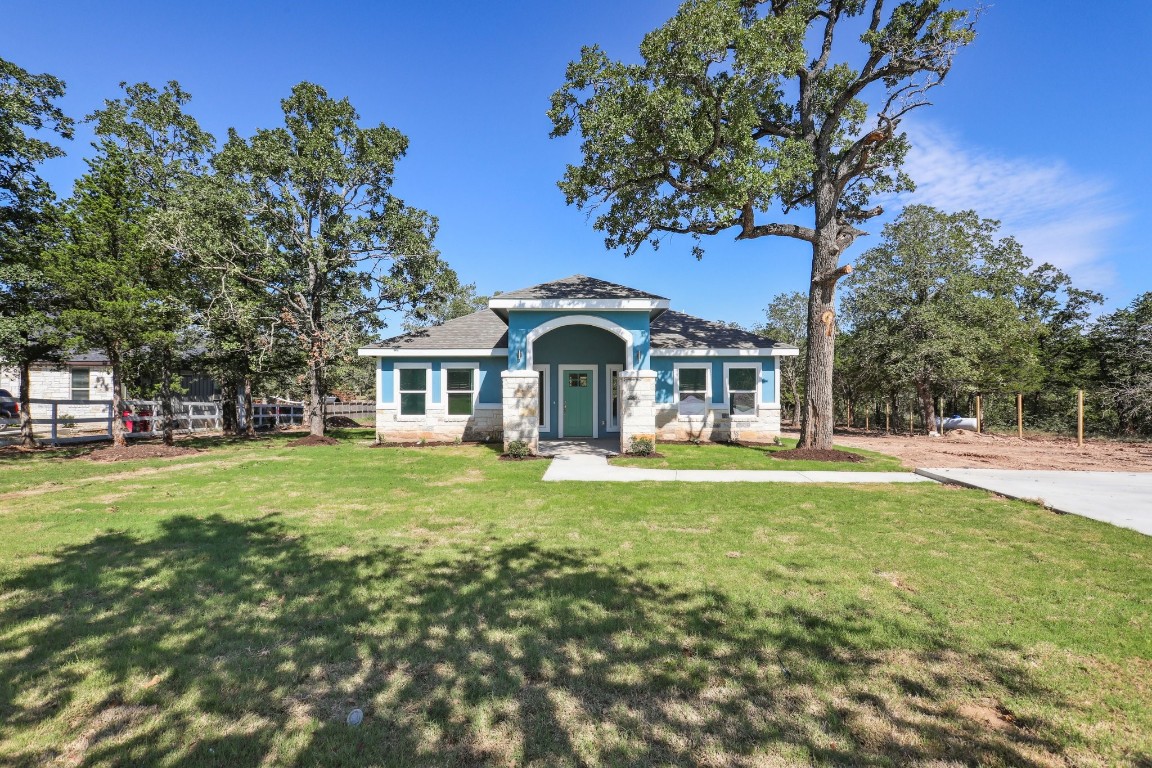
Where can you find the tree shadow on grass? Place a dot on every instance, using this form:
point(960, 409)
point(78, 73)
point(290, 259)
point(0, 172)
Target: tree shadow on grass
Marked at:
point(221, 642)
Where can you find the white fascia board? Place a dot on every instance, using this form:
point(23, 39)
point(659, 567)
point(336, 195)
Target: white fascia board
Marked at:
point(723, 352)
point(575, 304)
point(408, 352)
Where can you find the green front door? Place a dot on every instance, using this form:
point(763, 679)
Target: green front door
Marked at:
point(578, 393)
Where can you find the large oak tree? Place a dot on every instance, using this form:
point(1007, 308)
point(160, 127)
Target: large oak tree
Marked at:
point(338, 245)
point(740, 108)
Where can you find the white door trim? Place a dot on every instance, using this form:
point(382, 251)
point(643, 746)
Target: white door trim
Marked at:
point(561, 370)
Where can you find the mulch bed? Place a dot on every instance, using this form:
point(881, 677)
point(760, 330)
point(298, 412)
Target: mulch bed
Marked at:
point(312, 440)
point(817, 454)
point(506, 457)
point(630, 455)
point(140, 451)
point(342, 422)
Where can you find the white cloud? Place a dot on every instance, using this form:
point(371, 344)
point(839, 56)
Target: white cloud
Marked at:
point(1058, 214)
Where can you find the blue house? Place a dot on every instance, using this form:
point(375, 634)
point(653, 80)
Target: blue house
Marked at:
point(578, 358)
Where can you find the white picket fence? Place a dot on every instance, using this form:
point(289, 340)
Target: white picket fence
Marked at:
point(61, 422)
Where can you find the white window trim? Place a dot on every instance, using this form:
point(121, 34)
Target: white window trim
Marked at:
point(707, 368)
point(546, 422)
point(758, 393)
point(396, 368)
point(612, 426)
point(560, 371)
point(444, 368)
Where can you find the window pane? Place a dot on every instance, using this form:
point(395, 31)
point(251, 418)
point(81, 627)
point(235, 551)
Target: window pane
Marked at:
point(540, 400)
point(742, 378)
point(577, 380)
point(743, 404)
point(693, 379)
point(460, 379)
point(412, 404)
point(413, 379)
point(691, 404)
point(80, 384)
point(459, 404)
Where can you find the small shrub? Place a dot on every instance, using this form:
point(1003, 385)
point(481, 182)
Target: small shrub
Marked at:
point(642, 446)
point(518, 449)
point(457, 440)
point(694, 440)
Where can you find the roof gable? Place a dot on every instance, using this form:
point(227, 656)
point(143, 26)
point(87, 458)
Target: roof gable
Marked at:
point(579, 287)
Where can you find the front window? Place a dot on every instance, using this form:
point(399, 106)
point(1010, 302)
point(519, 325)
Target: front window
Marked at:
point(540, 404)
point(413, 391)
point(692, 393)
point(742, 391)
point(614, 398)
point(80, 389)
point(461, 390)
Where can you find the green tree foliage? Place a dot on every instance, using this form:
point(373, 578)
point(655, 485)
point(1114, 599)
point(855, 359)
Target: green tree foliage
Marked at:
point(1123, 344)
point(786, 320)
point(459, 300)
point(743, 107)
point(944, 306)
point(339, 245)
point(28, 301)
point(163, 148)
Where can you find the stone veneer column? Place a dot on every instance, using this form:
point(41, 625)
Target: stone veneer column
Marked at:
point(637, 407)
point(521, 401)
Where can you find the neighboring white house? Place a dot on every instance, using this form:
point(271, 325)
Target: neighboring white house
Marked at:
point(84, 377)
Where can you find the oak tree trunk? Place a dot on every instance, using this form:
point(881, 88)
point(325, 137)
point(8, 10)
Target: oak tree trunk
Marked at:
point(249, 418)
point(818, 415)
point(228, 424)
point(114, 361)
point(927, 406)
point(27, 438)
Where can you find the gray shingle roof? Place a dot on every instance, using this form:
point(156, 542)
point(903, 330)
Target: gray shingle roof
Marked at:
point(676, 330)
point(479, 330)
point(579, 287)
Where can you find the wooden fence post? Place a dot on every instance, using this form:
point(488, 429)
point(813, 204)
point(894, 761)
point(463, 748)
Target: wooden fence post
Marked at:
point(1019, 414)
point(1080, 417)
point(887, 419)
point(55, 417)
point(979, 416)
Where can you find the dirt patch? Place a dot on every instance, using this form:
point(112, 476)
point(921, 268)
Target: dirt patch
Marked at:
point(140, 451)
point(312, 440)
point(506, 457)
point(990, 714)
point(342, 422)
point(817, 454)
point(961, 448)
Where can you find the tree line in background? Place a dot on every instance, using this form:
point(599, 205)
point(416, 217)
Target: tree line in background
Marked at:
point(944, 310)
point(264, 262)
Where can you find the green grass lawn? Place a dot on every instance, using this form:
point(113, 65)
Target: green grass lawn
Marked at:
point(229, 609)
point(751, 456)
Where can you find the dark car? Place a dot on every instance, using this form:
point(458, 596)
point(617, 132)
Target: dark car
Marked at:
point(9, 408)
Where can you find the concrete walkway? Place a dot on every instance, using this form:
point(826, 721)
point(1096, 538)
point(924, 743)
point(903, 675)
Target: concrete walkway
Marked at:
point(1120, 498)
point(587, 461)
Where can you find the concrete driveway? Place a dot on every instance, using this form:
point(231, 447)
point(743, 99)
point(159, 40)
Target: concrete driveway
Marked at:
point(1119, 498)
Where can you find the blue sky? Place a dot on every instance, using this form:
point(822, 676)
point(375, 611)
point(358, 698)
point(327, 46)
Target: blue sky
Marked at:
point(1043, 123)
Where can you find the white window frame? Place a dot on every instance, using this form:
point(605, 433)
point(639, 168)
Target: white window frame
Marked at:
point(444, 368)
point(756, 398)
point(613, 425)
point(546, 417)
point(561, 370)
point(707, 368)
point(396, 368)
point(87, 384)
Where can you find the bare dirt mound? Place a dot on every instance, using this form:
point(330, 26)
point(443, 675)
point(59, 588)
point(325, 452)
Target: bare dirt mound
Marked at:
point(817, 454)
point(342, 422)
point(312, 440)
point(140, 451)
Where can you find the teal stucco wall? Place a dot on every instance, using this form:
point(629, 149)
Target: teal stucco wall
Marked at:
point(521, 323)
point(489, 375)
point(665, 380)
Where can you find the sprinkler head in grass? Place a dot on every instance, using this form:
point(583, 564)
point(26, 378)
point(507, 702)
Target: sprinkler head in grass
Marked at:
point(355, 717)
